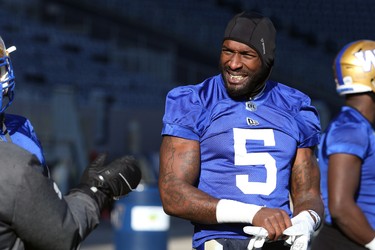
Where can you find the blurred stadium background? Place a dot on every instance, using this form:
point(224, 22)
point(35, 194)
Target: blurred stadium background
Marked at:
point(92, 75)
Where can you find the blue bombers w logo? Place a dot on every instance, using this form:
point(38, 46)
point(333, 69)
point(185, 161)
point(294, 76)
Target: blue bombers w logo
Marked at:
point(367, 58)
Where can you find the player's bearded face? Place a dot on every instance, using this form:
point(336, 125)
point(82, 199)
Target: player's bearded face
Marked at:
point(242, 70)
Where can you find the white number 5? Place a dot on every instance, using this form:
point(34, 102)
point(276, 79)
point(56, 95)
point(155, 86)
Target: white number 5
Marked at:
point(244, 158)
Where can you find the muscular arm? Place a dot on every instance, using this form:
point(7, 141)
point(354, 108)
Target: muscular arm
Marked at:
point(305, 183)
point(305, 194)
point(343, 182)
point(179, 171)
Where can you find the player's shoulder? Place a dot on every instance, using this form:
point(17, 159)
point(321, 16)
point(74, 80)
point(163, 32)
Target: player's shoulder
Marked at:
point(288, 91)
point(287, 95)
point(347, 126)
point(208, 89)
point(13, 118)
point(14, 122)
point(349, 116)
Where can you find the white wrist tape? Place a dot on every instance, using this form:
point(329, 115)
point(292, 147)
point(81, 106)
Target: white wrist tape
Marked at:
point(317, 218)
point(371, 244)
point(230, 211)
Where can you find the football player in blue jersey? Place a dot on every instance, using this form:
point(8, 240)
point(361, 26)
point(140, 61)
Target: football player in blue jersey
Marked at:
point(347, 154)
point(237, 153)
point(15, 128)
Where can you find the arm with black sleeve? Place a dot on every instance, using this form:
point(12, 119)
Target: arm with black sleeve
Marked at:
point(35, 215)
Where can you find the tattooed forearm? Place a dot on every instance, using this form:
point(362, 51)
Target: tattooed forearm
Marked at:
point(305, 184)
point(301, 177)
point(179, 172)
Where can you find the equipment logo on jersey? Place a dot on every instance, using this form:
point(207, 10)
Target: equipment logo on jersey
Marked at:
point(367, 59)
point(251, 122)
point(251, 106)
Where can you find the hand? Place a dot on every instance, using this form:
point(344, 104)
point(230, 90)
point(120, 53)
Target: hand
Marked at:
point(274, 220)
point(94, 166)
point(110, 181)
point(300, 232)
point(260, 235)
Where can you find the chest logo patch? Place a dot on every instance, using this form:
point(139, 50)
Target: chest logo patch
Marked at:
point(251, 106)
point(251, 122)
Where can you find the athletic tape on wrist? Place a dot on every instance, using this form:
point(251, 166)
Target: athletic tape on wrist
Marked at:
point(371, 244)
point(317, 218)
point(230, 211)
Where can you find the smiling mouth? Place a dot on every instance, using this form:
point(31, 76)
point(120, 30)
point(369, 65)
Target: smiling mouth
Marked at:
point(235, 79)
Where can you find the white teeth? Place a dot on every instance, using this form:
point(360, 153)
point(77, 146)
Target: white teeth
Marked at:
point(236, 77)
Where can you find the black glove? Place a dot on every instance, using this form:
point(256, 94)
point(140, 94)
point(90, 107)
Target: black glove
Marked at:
point(110, 182)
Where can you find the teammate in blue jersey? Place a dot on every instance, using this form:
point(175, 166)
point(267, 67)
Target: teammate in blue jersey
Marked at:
point(15, 128)
point(237, 146)
point(347, 154)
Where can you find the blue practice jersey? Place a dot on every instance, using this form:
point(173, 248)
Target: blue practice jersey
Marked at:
point(351, 133)
point(22, 134)
point(247, 148)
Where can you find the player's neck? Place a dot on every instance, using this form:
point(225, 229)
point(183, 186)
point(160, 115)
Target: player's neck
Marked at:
point(365, 104)
point(257, 92)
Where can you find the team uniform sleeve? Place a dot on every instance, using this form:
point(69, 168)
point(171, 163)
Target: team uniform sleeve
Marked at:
point(344, 139)
point(309, 125)
point(183, 114)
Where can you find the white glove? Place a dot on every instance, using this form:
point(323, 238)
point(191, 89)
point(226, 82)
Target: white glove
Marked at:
point(301, 231)
point(260, 234)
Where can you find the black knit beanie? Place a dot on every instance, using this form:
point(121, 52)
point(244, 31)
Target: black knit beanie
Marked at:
point(256, 31)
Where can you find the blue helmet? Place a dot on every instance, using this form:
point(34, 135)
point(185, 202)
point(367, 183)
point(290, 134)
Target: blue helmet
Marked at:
point(6, 76)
